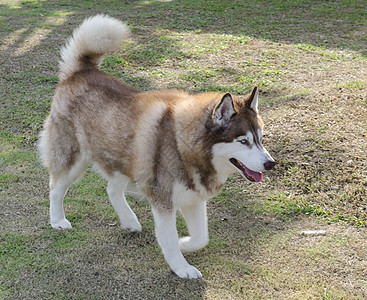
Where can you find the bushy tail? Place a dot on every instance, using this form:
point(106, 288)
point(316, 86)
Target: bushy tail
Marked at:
point(96, 36)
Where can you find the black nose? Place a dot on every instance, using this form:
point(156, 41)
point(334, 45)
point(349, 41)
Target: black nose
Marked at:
point(268, 165)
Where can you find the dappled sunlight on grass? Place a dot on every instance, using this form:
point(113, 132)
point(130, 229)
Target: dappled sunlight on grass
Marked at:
point(25, 39)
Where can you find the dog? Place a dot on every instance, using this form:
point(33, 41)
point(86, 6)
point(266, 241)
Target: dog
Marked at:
point(175, 149)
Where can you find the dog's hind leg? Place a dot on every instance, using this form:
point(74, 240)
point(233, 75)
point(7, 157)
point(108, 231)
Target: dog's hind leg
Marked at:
point(117, 185)
point(196, 221)
point(59, 185)
point(61, 154)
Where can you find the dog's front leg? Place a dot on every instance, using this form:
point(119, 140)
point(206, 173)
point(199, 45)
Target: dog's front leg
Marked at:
point(167, 237)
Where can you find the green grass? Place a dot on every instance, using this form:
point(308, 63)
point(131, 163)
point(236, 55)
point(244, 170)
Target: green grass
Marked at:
point(309, 60)
point(28, 257)
point(354, 84)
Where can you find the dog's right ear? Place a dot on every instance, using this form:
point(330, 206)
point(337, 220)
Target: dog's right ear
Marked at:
point(252, 99)
point(224, 110)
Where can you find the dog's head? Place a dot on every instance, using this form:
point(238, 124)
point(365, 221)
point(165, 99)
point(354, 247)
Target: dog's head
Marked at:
point(238, 130)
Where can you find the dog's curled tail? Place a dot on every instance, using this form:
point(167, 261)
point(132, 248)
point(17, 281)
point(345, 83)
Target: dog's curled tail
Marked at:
point(96, 36)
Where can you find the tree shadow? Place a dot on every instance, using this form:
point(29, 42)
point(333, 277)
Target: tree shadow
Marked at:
point(332, 25)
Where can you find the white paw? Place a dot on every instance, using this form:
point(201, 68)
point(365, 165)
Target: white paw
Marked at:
point(187, 244)
point(133, 225)
point(189, 272)
point(184, 244)
point(61, 224)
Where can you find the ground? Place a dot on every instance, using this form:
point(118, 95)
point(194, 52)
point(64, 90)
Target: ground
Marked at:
point(310, 63)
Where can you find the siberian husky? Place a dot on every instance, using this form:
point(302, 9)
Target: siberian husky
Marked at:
point(174, 148)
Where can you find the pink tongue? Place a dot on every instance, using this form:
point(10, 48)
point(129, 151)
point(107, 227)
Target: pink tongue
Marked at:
point(249, 174)
point(256, 175)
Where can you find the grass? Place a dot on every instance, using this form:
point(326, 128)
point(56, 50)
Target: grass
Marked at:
point(309, 60)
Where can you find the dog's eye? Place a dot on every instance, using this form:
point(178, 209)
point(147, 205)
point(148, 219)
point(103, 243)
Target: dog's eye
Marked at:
point(244, 142)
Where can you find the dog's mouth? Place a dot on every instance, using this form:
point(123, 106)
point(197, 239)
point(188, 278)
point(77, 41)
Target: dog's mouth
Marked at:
point(249, 174)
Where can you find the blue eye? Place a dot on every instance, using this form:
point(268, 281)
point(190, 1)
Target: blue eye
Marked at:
point(244, 142)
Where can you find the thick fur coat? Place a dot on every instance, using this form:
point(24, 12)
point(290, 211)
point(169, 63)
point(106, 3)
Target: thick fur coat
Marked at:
point(174, 149)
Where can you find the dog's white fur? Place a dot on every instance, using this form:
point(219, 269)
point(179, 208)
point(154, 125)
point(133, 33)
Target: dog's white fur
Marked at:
point(98, 34)
point(66, 146)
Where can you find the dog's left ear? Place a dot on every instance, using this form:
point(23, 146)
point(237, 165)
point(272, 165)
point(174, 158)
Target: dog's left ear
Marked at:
point(252, 99)
point(224, 110)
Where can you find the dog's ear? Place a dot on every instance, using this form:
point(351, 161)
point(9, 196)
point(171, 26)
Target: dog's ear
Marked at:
point(252, 99)
point(224, 110)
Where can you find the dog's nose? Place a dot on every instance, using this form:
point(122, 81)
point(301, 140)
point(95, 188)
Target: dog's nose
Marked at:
point(269, 164)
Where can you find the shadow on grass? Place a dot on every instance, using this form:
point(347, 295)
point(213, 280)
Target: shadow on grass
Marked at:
point(33, 32)
point(331, 24)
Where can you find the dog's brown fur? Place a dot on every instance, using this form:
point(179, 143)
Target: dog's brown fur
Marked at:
point(121, 129)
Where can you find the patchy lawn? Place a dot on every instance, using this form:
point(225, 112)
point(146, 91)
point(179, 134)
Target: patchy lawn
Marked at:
point(309, 60)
